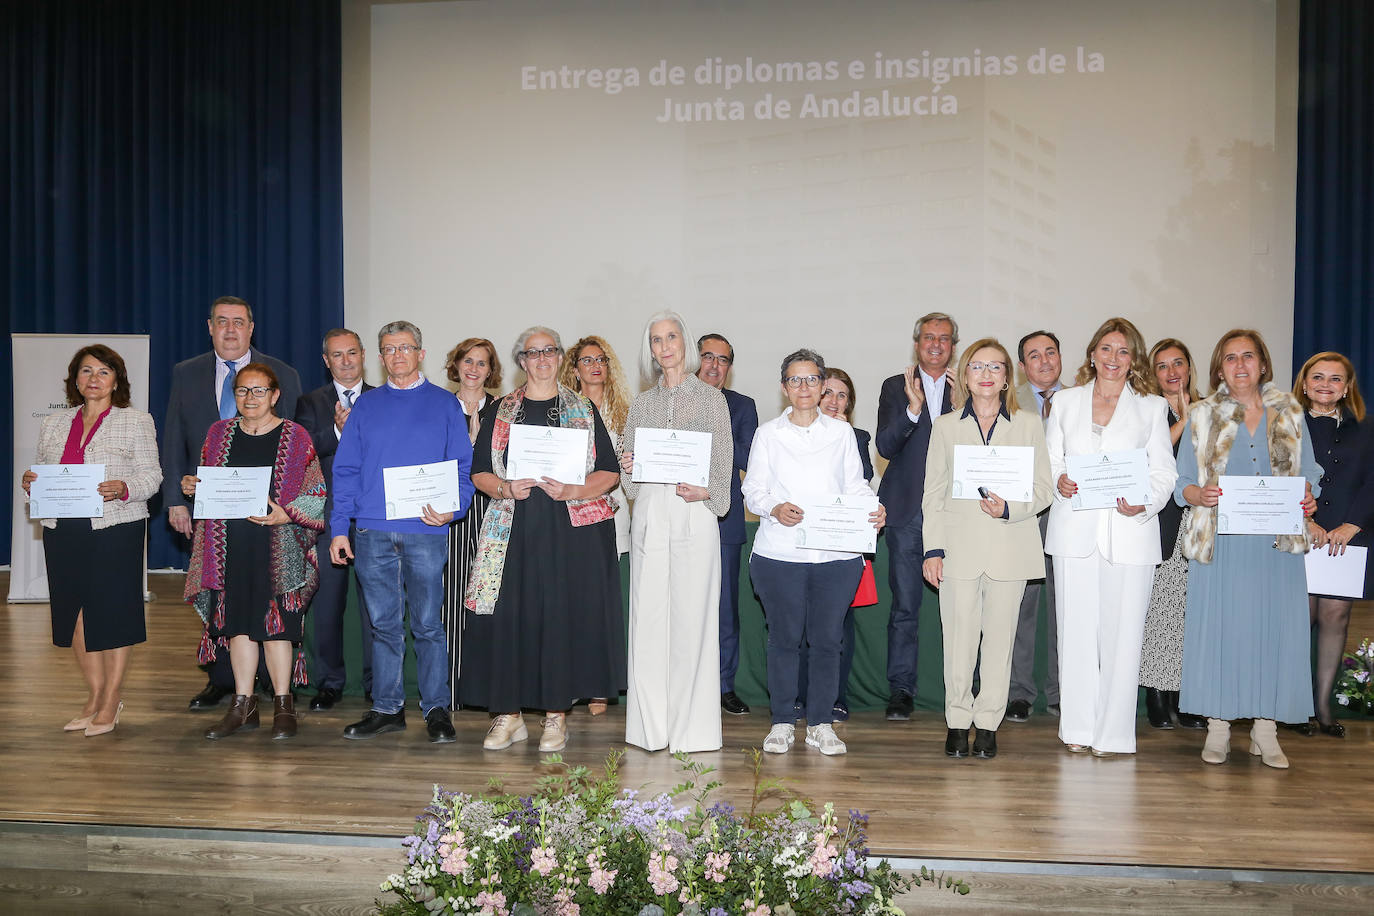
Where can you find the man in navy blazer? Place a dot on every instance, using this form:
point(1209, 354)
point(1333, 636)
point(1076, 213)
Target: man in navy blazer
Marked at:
point(717, 356)
point(202, 392)
point(323, 412)
point(904, 419)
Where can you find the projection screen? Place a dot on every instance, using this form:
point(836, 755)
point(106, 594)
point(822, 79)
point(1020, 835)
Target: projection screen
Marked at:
point(820, 174)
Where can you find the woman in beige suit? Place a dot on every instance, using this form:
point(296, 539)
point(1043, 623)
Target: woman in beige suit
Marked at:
point(95, 566)
point(981, 551)
point(1104, 558)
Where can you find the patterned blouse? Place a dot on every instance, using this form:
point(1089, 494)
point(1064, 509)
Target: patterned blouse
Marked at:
point(693, 405)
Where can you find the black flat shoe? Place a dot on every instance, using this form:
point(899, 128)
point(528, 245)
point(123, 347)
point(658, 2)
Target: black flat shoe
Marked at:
point(732, 704)
point(956, 742)
point(1335, 729)
point(376, 723)
point(1306, 729)
point(899, 707)
point(209, 698)
point(440, 726)
point(1188, 720)
point(1018, 711)
point(1157, 709)
point(326, 699)
point(984, 743)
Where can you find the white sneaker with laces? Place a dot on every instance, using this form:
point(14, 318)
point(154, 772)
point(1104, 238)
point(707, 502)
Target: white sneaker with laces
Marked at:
point(780, 738)
point(505, 730)
point(823, 738)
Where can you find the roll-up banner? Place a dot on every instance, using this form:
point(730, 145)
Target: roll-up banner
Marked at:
point(40, 367)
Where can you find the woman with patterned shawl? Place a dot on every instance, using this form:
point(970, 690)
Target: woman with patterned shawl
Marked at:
point(251, 579)
point(545, 626)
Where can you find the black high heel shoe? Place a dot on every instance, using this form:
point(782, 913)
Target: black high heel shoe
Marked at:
point(1335, 729)
point(1306, 729)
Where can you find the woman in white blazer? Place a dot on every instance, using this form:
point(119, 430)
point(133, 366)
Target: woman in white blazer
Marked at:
point(1104, 559)
point(95, 565)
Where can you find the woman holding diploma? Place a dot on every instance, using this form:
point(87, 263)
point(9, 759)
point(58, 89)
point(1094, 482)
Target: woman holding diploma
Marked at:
point(473, 364)
point(1104, 558)
point(95, 565)
point(803, 458)
point(545, 626)
point(674, 693)
point(1245, 642)
point(1344, 447)
point(251, 579)
point(980, 552)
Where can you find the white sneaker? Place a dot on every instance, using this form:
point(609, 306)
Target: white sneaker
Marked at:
point(823, 738)
point(505, 730)
point(780, 738)
point(555, 736)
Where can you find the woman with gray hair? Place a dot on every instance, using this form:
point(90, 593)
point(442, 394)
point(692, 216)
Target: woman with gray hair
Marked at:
point(674, 675)
point(803, 457)
point(546, 625)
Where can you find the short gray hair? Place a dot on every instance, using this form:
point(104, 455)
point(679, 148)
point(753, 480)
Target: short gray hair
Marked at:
point(400, 327)
point(649, 369)
point(937, 316)
point(804, 355)
point(517, 352)
point(338, 332)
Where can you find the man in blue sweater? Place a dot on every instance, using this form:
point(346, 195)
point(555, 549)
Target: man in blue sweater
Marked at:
point(400, 562)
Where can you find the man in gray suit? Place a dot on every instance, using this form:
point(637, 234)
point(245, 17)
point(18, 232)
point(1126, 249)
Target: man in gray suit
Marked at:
point(1038, 356)
point(202, 392)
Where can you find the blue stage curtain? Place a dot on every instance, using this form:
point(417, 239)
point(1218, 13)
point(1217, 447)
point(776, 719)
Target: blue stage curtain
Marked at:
point(159, 154)
point(1333, 301)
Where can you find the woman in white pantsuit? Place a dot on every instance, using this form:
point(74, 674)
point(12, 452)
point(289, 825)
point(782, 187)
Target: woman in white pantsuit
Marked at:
point(673, 699)
point(1104, 559)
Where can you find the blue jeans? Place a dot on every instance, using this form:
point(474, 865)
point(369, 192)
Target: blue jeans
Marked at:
point(400, 571)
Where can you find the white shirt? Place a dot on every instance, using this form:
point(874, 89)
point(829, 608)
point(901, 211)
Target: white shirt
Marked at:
point(415, 384)
point(934, 388)
point(799, 464)
point(222, 371)
point(339, 389)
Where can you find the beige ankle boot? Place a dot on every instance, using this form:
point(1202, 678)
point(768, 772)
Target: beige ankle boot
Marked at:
point(1264, 744)
point(1218, 745)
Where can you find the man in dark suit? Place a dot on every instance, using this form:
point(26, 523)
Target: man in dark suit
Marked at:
point(717, 356)
point(324, 412)
point(202, 392)
point(904, 418)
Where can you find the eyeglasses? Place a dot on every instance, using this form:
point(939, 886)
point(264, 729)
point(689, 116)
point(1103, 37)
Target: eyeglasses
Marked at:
point(987, 367)
point(583, 360)
point(717, 358)
point(403, 349)
point(540, 352)
point(257, 391)
point(798, 381)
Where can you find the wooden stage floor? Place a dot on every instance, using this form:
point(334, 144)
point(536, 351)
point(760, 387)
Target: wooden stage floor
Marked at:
point(1034, 803)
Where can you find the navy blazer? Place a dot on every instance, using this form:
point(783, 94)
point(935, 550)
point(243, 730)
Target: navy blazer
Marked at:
point(744, 422)
point(904, 445)
point(1346, 455)
point(315, 411)
point(191, 408)
point(861, 438)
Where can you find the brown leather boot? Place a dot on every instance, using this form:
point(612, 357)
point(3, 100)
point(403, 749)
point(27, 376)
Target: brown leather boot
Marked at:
point(284, 716)
point(242, 715)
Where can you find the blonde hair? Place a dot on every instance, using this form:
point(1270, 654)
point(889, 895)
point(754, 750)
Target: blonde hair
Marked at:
point(1139, 375)
point(617, 391)
point(1354, 403)
point(959, 396)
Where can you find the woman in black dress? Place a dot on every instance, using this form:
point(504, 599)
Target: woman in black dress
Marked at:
point(545, 626)
point(251, 579)
point(1344, 446)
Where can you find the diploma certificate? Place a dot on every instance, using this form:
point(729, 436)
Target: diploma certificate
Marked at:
point(672, 456)
point(409, 489)
point(1260, 505)
point(1006, 470)
point(67, 491)
point(232, 492)
point(1103, 477)
point(547, 451)
point(839, 522)
point(1341, 575)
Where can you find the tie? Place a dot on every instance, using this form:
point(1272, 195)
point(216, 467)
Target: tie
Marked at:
point(227, 407)
point(1045, 404)
point(348, 399)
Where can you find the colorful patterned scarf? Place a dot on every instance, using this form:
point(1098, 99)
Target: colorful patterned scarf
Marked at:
point(574, 412)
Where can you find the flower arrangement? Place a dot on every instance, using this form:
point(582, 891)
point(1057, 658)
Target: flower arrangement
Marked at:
point(581, 846)
point(1355, 684)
